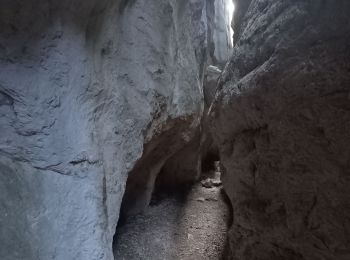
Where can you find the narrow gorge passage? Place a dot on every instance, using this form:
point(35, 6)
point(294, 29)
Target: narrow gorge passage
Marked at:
point(191, 224)
point(112, 112)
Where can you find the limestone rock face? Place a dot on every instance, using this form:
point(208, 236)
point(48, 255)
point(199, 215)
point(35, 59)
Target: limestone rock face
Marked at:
point(220, 41)
point(281, 119)
point(89, 92)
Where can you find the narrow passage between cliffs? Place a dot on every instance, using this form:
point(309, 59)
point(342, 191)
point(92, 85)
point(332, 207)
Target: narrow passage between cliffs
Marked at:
point(189, 223)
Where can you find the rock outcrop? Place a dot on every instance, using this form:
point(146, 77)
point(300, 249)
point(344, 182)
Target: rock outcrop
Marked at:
point(91, 92)
point(281, 119)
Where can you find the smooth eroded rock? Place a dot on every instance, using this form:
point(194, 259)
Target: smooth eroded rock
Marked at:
point(88, 90)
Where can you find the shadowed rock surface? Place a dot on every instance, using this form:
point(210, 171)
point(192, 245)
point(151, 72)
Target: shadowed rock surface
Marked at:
point(281, 119)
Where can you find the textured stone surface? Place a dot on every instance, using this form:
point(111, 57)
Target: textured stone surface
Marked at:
point(172, 157)
point(222, 34)
point(219, 16)
point(210, 84)
point(183, 168)
point(88, 90)
point(282, 120)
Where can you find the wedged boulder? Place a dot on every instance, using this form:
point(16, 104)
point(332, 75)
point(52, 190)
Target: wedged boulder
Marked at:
point(281, 119)
point(88, 90)
point(211, 79)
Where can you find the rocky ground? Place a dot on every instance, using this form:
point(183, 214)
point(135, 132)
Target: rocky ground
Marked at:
point(190, 225)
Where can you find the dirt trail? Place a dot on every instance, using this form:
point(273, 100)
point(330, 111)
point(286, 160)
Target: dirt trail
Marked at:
point(187, 227)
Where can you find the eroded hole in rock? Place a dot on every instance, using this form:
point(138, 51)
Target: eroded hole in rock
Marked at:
point(210, 161)
point(187, 217)
point(138, 191)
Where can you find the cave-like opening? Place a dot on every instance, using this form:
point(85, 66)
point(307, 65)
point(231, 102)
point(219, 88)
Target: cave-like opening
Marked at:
point(185, 217)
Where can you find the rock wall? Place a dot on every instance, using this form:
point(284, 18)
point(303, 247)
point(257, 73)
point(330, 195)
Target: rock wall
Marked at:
point(281, 119)
point(90, 91)
point(173, 159)
point(219, 15)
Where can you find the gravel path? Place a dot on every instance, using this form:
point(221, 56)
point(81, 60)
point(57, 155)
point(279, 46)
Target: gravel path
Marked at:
point(183, 228)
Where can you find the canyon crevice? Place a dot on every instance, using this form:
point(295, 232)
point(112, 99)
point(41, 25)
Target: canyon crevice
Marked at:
point(105, 103)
